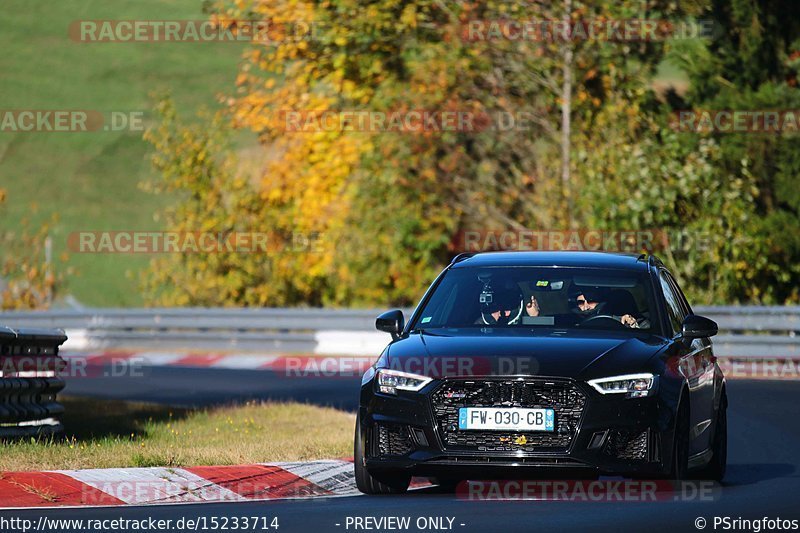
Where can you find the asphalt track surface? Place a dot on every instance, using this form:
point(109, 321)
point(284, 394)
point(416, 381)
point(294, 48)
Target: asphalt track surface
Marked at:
point(182, 386)
point(762, 479)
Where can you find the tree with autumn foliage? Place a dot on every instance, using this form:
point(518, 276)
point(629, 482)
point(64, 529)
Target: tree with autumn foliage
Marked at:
point(390, 205)
point(28, 279)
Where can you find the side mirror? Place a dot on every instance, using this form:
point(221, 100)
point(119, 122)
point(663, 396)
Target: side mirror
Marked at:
point(391, 322)
point(696, 326)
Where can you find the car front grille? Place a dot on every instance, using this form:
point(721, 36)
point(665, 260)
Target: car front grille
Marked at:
point(564, 397)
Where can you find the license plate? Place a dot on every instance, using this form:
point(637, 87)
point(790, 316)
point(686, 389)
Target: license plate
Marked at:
point(505, 419)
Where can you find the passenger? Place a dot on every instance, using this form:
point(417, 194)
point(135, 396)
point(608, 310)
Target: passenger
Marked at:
point(593, 302)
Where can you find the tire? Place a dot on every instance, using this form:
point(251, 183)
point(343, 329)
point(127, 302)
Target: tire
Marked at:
point(386, 482)
point(715, 469)
point(679, 462)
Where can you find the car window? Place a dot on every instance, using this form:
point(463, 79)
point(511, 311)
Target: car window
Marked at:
point(674, 311)
point(685, 307)
point(561, 297)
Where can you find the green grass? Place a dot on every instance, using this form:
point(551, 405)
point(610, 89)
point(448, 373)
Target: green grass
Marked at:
point(115, 434)
point(91, 179)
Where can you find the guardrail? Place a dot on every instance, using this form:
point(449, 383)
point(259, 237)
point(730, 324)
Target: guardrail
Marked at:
point(745, 331)
point(29, 367)
point(755, 331)
point(273, 330)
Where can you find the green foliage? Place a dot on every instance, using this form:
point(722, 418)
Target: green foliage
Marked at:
point(194, 167)
point(644, 176)
point(751, 65)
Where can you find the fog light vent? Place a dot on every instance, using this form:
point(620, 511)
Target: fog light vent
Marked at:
point(628, 444)
point(420, 437)
point(393, 439)
point(598, 439)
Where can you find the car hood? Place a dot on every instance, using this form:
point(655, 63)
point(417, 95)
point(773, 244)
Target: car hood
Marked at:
point(554, 353)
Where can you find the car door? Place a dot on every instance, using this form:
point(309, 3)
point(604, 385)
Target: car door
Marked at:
point(702, 357)
point(691, 364)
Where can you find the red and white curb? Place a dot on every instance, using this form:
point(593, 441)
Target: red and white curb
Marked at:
point(298, 364)
point(164, 485)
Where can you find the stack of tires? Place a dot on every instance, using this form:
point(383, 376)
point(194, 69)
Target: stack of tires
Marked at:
point(30, 379)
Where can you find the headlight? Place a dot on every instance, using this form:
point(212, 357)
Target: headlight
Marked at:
point(391, 381)
point(634, 385)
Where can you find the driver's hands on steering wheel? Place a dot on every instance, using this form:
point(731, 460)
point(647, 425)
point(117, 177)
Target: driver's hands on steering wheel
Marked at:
point(629, 321)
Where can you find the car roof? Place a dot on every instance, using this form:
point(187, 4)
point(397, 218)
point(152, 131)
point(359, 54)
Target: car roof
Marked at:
point(624, 261)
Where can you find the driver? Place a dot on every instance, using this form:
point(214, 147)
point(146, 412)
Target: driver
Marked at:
point(591, 303)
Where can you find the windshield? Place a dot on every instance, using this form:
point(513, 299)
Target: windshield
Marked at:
point(519, 297)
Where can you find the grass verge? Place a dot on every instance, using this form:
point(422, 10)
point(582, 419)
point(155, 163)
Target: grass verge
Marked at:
point(109, 434)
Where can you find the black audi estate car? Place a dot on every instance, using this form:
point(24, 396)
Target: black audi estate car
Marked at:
point(532, 364)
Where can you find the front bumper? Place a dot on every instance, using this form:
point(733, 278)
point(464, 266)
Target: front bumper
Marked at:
point(595, 433)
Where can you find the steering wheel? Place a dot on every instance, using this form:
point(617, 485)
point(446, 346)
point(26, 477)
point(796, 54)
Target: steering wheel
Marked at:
point(603, 320)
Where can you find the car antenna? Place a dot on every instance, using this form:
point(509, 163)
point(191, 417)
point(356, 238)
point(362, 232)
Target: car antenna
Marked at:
point(461, 257)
